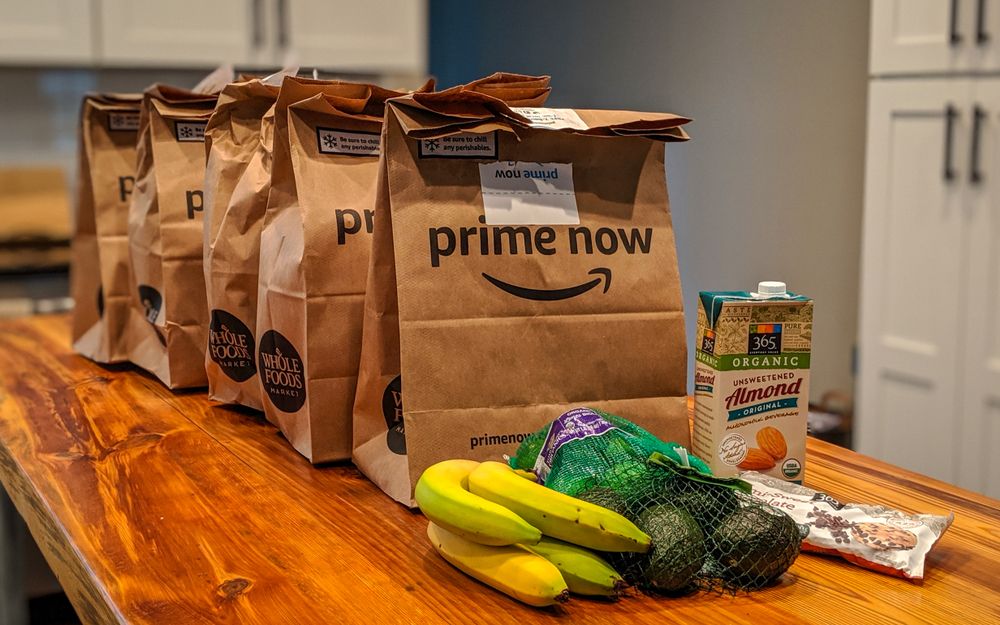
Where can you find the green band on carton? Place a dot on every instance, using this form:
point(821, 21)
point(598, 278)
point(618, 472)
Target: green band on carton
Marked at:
point(708, 359)
point(739, 362)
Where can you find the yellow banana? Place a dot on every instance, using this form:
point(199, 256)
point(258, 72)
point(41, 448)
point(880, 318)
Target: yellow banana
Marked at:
point(511, 569)
point(528, 475)
point(556, 514)
point(443, 496)
point(585, 572)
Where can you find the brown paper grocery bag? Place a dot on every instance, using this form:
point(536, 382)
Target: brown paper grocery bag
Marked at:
point(314, 264)
point(514, 89)
point(314, 261)
point(232, 246)
point(168, 328)
point(232, 142)
point(523, 262)
point(99, 272)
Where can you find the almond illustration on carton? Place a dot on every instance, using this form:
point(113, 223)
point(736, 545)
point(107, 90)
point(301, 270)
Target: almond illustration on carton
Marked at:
point(773, 442)
point(757, 460)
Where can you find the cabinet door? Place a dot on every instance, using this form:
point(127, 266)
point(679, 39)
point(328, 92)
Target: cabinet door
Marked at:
point(920, 36)
point(46, 31)
point(385, 37)
point(985, 34)
point(179, 33)
point(908, 404)
point(980, 305)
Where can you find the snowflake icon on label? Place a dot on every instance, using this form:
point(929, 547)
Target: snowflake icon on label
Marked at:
point(432, 145)
point(190, 131)
point(329, 141)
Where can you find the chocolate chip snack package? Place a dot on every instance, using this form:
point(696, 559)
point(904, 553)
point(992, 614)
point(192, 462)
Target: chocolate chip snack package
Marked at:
point(523, 262)
point(751, 381)
point(871, 536)
point(99, 276)
point(168, 327)
point(232, 141)
point(313, 265)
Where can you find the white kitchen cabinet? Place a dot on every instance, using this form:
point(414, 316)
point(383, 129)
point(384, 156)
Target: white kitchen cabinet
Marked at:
point(178, 33)
point(47, 31)
point(913, 228)
point(979, 466)
point(388, 36)
point(934, 36)
point(929, 387)
point(384, 37)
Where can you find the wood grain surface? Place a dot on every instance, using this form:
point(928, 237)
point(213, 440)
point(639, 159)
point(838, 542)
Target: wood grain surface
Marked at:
point(160, 508)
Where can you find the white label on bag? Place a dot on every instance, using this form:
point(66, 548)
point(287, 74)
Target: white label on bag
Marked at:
point(347, 142)
point(553, 119)
point(530, 194)
point(190, 131)
point(123, 121)
point(460, 145)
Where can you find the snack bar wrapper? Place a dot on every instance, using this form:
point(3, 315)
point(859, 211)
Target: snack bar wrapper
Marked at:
point(871, 536)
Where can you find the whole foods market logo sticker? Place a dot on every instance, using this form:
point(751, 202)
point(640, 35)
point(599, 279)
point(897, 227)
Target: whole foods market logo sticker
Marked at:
point(460, 145)
point(190, 131)
point(151, 301)
point(348, 143)
point(281, 372)
point(392, 410)
point(231, 346)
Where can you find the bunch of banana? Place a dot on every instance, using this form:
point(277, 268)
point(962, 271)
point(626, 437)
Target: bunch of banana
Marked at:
point(584, 571)
point(511, 569)
point(489, 521)
point(557, 514)
point(442, 493)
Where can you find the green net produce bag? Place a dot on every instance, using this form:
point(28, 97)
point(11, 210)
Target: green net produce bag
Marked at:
point(707, 532)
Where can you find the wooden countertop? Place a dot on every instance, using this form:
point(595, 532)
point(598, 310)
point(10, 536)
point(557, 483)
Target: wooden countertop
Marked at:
point(160, 508)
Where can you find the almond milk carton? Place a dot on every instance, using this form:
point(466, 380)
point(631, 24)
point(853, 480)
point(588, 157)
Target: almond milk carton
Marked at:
point(751, 381)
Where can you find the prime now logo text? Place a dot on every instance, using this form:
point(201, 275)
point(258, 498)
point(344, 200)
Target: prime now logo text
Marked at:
point(546, 240)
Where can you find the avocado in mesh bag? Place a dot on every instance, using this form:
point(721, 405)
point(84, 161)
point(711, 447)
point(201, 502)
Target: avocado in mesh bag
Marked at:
point(754, 545)
point(707, 532)
point(707, 504)
point(606, 498)
point(678, 551)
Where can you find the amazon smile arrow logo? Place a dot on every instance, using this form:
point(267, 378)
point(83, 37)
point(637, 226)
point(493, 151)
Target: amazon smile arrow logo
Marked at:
point(549, 295)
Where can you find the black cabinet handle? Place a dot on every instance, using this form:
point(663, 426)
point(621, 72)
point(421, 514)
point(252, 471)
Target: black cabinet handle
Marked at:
point(283, 24)
point(979, 115)
point(950, 115)
point(954, 37)
point(258, 23)
point(982, 35)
